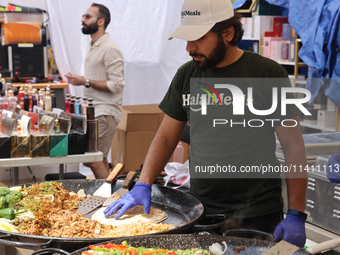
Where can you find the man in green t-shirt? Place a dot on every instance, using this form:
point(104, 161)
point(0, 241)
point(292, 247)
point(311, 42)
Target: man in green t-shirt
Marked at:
point(212, 32)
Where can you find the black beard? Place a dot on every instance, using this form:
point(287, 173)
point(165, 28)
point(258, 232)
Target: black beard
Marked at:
point(90, 29)
point(216, 56)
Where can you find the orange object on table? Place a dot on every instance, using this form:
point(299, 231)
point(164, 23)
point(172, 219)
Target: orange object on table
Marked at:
point(27, 32)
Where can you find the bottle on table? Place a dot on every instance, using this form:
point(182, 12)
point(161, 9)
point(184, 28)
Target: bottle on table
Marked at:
point(54, 99)
point(90, 110)
point(22, 103)
point(83, 106)
point(21, 94)
point(18, 127)
point(2, 104)
point(34, 98)
point(26, 103)
point(6, 103)
point(36, 127)
point(77, 106)
point(48, 102)
point(30, 105)
point(41, 102)
point(12, 100)
point(56, 126)
point(42, 91)
point(67, 103)
point(73, 100)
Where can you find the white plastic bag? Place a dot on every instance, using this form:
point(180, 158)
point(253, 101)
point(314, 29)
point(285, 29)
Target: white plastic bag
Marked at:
point(177, 174)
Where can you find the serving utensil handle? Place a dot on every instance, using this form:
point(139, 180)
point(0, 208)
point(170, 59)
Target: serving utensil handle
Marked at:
point(129, 179)
point(330, 244)
point(114, 173)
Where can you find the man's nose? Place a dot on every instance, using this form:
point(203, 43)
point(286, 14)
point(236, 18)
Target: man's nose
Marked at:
point(191, 46)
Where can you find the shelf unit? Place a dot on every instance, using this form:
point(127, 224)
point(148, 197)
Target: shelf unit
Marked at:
point(298, 64)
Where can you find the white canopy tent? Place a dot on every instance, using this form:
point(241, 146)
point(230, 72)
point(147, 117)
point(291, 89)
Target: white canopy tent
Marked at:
point(140, 28)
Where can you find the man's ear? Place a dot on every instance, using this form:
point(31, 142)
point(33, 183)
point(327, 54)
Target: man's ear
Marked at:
point(101, 22)
point(228, 34)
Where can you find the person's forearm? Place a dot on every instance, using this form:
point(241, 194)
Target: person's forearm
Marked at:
point(157, 157)
point(161, 148)
point(99, 85)
point(296, 181)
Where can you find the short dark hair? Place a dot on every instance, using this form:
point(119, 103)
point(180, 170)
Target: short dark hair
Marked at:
point(234, 21)
point(103, 13)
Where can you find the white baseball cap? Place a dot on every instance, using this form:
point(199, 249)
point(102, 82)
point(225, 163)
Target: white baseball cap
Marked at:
point(199, 16)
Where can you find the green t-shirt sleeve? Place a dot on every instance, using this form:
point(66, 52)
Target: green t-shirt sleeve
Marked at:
point(171, 104)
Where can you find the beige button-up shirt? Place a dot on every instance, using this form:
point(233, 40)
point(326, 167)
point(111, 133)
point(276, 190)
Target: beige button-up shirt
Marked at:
point(104, 62)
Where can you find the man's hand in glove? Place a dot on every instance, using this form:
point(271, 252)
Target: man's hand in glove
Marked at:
point(293, 230)
point(139, 195)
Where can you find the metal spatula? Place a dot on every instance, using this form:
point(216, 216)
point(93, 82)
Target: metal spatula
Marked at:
point(101, 194)
point(123, 190)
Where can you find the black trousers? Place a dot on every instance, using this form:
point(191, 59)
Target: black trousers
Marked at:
point(265, 223)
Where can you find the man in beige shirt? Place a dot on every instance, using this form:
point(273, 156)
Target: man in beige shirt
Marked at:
point(103, 80)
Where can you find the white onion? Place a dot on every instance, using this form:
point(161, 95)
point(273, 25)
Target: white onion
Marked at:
point(216, 248)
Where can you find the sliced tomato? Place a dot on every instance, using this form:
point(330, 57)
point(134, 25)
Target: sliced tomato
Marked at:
point(171, 253)
point(110, 245)
point(133, 251)
point(121, 246)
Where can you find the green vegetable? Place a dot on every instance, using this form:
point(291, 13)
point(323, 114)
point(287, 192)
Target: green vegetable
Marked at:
point(124, 243)
point(2, 203)
point(7, 213)
point(12, 198)
point(4, 191)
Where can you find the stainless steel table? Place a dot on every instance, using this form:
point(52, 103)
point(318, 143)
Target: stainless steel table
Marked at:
point(28, 161)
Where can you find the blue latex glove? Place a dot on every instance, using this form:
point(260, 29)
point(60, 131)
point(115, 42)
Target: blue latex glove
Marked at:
point(293, 230)
point(139, 195)
point(333, 168)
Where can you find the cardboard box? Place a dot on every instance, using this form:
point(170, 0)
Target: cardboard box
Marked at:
point(135, 132)
point(291, 54)
point(286, 32)
point(277, 25)
point(274, 50)
point(262, 24)
point(293, 34)
point(58, 145)
point(76, 143)
point(20, 146)
point(40, 144)
point(285, 51)
point(247, 26)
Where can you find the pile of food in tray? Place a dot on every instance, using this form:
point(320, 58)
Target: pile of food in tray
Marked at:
point(125, 249)
point(47, 209)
